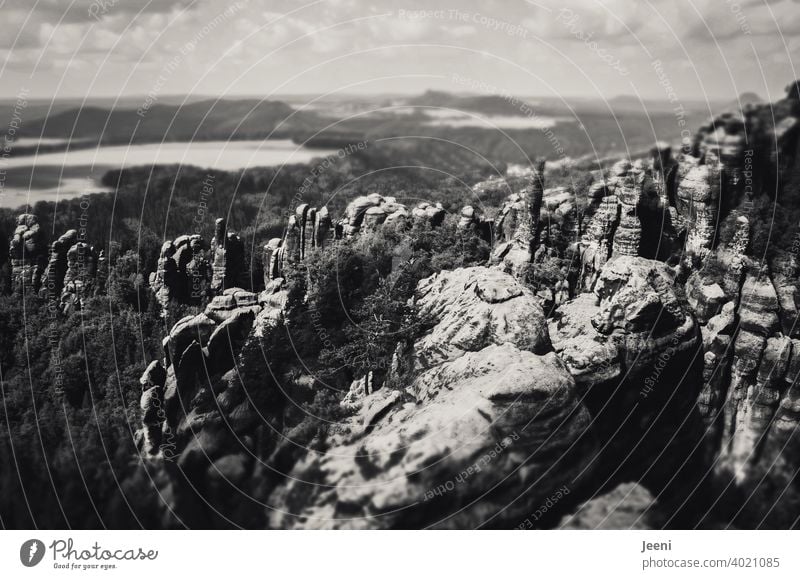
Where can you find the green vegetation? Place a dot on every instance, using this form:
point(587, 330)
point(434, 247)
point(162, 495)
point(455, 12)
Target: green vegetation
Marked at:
point(70, 384)
point(70, 399)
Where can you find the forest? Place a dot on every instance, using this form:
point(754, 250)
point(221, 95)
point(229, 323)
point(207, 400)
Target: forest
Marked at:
point(68, 443)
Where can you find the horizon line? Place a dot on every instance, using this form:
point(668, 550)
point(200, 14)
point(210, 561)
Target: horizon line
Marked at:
point(388, 94)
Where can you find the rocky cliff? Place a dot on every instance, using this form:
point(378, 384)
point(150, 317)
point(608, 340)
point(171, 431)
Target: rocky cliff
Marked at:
point(671, 353)
point(488, 424)
point(627, 332)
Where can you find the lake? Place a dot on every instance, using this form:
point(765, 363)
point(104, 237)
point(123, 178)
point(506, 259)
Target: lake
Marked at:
point(457, 119)
point(65, 174)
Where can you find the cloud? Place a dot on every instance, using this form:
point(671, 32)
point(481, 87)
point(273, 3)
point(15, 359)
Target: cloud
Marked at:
point(142, 35)
point(53, 11)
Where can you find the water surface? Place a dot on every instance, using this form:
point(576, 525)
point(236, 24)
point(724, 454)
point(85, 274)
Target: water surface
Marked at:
point(65, 174)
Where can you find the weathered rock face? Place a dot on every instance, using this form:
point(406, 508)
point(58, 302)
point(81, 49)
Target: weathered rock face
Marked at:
point(559, 219)
point(725, 141)
point(200, 425)
point(197, 348)
point(749, 354)
point(706, 297)
point(509, 217)
point(271, 260)
point(665, 171)
point(373, 218)
point(184, 273)
point(749, 398)
point(432, 214)
point(763, 141)
point(753, 398)
point(742, 409)
point(717, 339)
point(471, 306)
point(57, 266)
point(164, 281)
point(309, 229)
point(473, 221)
point(152, 406)
point(80, 276)
point(784, 272)
point(482, 411)
point(197, 270)
point(322, 228)
point(227, 262)
point(620, 205)
point(625, 507)
point(27, 255)
point(372, 211)
point(597, 240)
point(698, 201)
point(629, 230)
point(517, 226)
point(65, 278)
point(535, 197)
point(632, 349)
point(633, 312)
point(290, 246)
point(639, 384)
point(787, 416)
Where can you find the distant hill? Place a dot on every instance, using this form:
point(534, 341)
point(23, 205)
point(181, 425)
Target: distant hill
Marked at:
point(746, 98)
point(208, 119)
point(582, 126)
point(486, 104)
point(632, 104)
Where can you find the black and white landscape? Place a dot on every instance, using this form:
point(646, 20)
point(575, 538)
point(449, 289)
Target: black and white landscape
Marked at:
point(338, 265)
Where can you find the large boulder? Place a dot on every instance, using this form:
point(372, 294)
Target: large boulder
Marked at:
point(633, 349)
point(485, 431)
point(371, 212)
point(625, 507)
point(474, 307)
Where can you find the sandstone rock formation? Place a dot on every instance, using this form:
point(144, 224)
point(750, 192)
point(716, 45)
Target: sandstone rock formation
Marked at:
point(197, 348)
point(625, 507)
point(27, 255)
point(66, 278)
point(183, 273)
point(629, 230)
point(101, 281)
point(80, 276)
point(665, 171)
point(482, 405)
point(472, 221)
point(152, 406)
point(57, 266)
point(271, 261)
point(433, 214)
point(164, 281)
point(698, 202)
point(517, 225)
point(309, 229)
point(372, 211)
point(632, 349)
point(669, 359)
point(193, 264)
point(227, 261)
point(596, 242)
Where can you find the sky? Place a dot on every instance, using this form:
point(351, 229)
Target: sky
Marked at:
point(652, 49)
